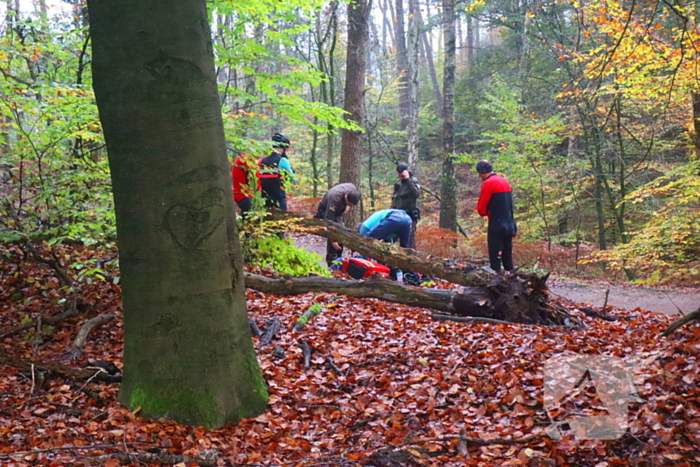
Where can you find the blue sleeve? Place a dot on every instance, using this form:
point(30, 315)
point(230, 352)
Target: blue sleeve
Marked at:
point(287, 167)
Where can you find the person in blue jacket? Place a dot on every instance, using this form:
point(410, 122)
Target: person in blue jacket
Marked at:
point(389, 225)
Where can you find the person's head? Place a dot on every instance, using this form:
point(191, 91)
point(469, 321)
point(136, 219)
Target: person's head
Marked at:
point(484, 168)
point(352, 198)
point(280, 141)
point(401, 166)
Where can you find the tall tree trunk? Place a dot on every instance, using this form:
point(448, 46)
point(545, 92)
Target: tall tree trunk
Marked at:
point(326, 64)
point(470, 42)
point(402, 66)
point(448, 203)
point(428, 52)
point(370, 167)
point(413, 44)
point(387, 31)
point(695, 97)
point(356, 66)
point(315, 173)
point(11, 16)
point(597, 165)
point(524, 58)
point(188, 352)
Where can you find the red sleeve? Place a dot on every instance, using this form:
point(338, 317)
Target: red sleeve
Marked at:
point(483, 205)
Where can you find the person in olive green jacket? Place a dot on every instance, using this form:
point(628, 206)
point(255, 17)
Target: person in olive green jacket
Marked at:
point(406, 194)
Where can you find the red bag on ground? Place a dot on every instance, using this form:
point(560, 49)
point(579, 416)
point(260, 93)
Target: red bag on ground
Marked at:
point(360, 268)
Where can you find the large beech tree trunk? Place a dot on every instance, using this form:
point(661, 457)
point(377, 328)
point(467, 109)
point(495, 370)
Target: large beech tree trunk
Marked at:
point(504, 298)
point(188, 352)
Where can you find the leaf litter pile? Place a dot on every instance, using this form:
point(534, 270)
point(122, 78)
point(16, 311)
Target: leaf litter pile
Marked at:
point(363, 383)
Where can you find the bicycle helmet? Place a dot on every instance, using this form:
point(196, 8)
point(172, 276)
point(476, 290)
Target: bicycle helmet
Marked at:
point(280, 141)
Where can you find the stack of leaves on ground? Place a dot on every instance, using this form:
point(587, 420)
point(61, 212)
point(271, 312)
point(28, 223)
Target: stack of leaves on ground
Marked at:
point(383, 383)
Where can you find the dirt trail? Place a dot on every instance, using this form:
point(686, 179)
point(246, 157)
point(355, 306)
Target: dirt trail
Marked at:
point(658, 299)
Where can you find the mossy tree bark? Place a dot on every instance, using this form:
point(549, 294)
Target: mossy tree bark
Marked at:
point(188, 352)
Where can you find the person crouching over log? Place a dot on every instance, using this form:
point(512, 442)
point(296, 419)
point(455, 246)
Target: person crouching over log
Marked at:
point(389, 225)
point(336, 202)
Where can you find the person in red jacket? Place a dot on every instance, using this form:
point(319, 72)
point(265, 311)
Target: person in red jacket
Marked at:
point(244, 183)
point(496, 202)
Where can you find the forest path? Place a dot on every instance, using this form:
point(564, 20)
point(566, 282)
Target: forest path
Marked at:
point(658, 299)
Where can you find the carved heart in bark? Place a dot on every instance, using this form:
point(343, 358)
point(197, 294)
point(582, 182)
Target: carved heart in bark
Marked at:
point(190, 225)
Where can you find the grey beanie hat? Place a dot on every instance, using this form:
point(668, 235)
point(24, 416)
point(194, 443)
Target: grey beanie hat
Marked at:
point(484, 167)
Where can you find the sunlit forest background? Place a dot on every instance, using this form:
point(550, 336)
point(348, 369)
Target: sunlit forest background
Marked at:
point(591, 109)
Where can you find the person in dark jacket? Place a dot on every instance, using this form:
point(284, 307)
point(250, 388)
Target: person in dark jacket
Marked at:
point(274, 171)
point(336, 202)
point(496, 202)
point(406, 194)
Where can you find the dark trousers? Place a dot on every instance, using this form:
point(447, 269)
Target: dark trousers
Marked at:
point(332, 254)
point(275, 198)
point(245, 205)
point(500, 251)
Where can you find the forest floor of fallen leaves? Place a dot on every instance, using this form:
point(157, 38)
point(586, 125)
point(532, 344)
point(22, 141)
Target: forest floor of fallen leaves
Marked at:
point(386, 386)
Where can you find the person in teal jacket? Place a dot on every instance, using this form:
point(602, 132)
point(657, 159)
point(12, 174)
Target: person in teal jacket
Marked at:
point(389, 225)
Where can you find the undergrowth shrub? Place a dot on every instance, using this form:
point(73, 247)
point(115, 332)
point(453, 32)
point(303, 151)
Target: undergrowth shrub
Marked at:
point(443, 243)
point(264, 245)
point(279, 254)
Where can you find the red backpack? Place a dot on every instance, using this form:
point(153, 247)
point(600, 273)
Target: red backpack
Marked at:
point(361, 268)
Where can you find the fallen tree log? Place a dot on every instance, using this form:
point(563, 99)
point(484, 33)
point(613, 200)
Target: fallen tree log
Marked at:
point(503, 298)
point(389, 254)
point(74, 351)
point(57, 368)
point(681, 321)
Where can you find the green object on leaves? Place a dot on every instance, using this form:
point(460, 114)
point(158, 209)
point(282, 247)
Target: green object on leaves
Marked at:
point(316, 309)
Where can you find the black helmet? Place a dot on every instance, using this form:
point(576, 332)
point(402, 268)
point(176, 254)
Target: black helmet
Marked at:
point(280, 141)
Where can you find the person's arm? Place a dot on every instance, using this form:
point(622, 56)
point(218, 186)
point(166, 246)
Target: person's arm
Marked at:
point(413, 186)
point(364, 230)
point(287, 168)
point(482, 205)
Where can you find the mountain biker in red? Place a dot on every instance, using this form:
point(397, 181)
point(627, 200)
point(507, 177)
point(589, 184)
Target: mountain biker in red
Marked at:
point(496, 202)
